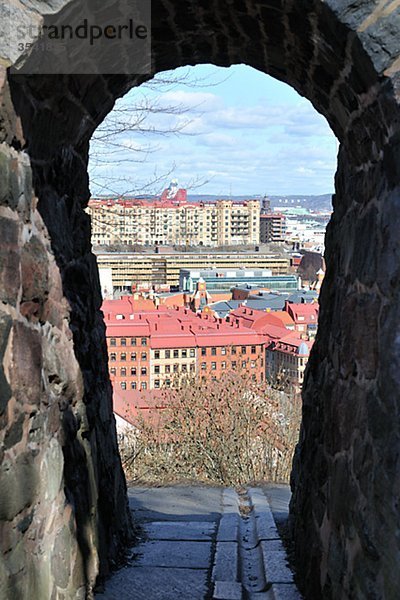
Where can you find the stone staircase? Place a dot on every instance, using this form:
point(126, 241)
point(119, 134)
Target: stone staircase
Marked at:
point(204, 543)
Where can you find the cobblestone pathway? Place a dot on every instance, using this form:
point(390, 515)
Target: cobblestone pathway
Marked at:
point(203, 543)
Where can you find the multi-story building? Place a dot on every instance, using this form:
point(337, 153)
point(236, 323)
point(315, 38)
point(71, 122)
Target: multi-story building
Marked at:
point(133, 268)
point(226, 279)
point(159, 348)
point(174, 220)
point(272, 227)
point(286, 360)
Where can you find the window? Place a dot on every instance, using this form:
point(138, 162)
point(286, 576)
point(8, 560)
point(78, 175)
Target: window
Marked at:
point(234, 364)
point(213, 351)
point(123, 372)
point(244, 349)
point(192, 352)
point(133, 385)
point(113, 342)
point(168, 354)
point(113, 371)
point(176, 367)
point(133, 355)
point(168, 368)
point(184, 368)
point(203, 366)
point(244, 363)
point(157, 383)
point(253, 364)
point(168, 383)
point(123, 385)
point(133, 341)
point(192, 368)
point(203, 351)
point(133, 371)
point(144, 342)
point(144, 356)
point(223, 365)
point(176, 353)
point(223, 350)
point(123, 341)
point(123, 356)
point(233, 349)
point(156, 354)
point(213, 366)
point(184, 353)
point(143, 385)
point(157, 369)
point(113, 356)
point(253, 350)
point(143, 371)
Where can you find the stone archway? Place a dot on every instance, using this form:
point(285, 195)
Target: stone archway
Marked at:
point(63, 495)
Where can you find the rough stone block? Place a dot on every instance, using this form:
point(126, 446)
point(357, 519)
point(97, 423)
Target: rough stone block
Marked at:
point(228, 529)
point(149, 583)
point(180, 531)
point(9, 260)
point(26, 364)
point(18, 485)
point(226, 562)
point(275, 565)
point(34, 270)
point(227, 590)
point(5, 390)
point(195, 555)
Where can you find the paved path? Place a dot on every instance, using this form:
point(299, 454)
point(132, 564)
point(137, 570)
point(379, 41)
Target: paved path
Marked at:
point(202, 543)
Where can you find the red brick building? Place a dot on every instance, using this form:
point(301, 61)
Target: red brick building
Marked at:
point(158, 348)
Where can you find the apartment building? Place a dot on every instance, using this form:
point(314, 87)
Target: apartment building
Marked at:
point(133, 268)
point(159, 348)
point(171, 221)
point(272, 227)
point(286, 360)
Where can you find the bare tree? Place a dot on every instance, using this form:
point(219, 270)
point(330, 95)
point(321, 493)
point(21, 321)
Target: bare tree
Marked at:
point(230, 433)
point(125, 136)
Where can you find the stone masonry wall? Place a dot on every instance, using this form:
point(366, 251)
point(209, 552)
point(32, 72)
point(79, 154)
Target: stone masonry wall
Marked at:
point(64, 518)
point(343, 56)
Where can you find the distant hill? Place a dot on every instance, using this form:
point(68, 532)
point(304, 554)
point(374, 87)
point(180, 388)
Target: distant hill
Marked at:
point(323, 202)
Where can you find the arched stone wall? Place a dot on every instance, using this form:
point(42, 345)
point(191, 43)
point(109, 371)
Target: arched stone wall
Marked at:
point(344, 57)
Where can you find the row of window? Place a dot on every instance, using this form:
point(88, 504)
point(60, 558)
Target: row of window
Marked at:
point(167, 383)
point(133, 371)
point(184, 368)
point(191, 352)
point(223, 365)
point(123, 356)
point(175, 353)
point(128, 341)
point(243, 350)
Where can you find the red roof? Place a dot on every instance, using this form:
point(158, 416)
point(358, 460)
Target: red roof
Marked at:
point(306, 313)
point(175, 327)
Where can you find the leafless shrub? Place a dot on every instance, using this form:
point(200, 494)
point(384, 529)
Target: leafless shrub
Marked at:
point(231, 431)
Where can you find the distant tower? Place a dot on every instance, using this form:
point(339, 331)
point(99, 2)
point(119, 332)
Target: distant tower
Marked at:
point(200, 298)
point(173, 189)
point(265, 205)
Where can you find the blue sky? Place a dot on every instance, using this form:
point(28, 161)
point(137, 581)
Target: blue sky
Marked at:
point(232, 130)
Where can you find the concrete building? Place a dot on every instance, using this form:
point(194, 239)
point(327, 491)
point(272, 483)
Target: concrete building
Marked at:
point(134, 268)
point(272, 227)
point(173, 220)
point(226, 279)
